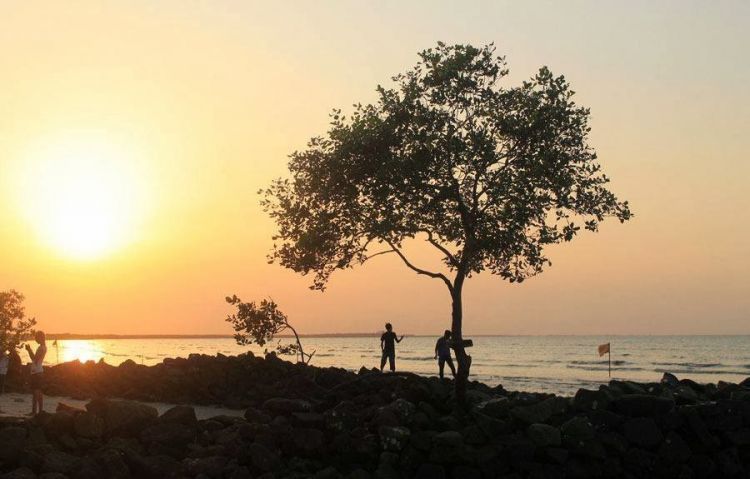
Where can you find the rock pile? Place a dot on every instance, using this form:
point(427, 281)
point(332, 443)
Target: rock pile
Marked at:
point(307, 422)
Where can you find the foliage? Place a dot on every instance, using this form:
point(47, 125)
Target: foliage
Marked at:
point(260, 322)
point(14, 325)
point(486, 174)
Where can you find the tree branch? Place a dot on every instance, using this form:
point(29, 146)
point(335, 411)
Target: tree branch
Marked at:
point(420, 270)
point(451, 258)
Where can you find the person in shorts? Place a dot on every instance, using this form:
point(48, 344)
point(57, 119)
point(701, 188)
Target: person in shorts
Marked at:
point(443, 353)
point(37, 372)
point(388, 345)
point(4, 361)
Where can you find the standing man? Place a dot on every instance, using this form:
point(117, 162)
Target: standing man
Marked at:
point(37, 372)
point(443, 353)
point(388, 345)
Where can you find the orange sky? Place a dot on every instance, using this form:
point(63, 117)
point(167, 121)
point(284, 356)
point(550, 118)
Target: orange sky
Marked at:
point(193, 107)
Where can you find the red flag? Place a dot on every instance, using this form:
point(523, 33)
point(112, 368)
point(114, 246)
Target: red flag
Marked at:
point(603, 349)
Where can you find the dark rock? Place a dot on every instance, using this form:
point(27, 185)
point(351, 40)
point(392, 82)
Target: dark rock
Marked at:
point(674, 449)
point(212, 466)
point(61, 462)
point(394, 438)
point(430, 471)
point(465, 472)
point(577, 428)
point(263, 458)
point(642, 432)
point(670, 380)
point(539, 412)
point(255, 415)
point(286, 406)
point(497, 408)
point(636, 405)
point(88, 425)
point(544, 435)
point(123, 417)
point(168, 437)
point(184, 415)
point(448, 439)
point(12, 442)
point(587, 400)
point(20, 473)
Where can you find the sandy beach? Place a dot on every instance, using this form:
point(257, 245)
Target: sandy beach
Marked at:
point(19, 405)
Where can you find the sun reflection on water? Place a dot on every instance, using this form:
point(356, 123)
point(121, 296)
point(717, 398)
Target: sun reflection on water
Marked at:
point(80, 349)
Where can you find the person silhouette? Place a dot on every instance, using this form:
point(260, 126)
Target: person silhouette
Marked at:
point(443, 353)
point(37, 372)
point(388, 345)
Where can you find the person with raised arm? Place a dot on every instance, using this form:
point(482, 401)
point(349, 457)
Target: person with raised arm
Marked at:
point(37, 372)
point(388, 345)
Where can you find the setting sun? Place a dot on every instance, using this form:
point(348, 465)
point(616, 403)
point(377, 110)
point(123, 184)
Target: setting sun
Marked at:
point(82, 196)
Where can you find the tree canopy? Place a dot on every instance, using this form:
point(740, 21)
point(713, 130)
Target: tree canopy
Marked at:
point(14, 324)
point(487, 174)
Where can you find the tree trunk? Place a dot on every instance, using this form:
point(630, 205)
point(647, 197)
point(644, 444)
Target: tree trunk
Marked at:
point(463, 359)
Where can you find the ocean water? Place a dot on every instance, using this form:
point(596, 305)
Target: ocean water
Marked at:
point(556, 364)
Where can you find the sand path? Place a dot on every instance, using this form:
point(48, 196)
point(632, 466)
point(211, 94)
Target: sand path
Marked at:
point(17, 405)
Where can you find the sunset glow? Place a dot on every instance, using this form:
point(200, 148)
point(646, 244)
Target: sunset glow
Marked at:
point(81, 196)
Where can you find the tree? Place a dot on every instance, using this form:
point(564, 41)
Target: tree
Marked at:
point(487, 175)
point(14, 325)
point(260, 323)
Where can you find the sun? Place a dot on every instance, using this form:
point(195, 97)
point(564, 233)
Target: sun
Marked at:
point(82, 196)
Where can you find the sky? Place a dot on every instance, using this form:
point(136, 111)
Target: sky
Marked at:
point(134, 137)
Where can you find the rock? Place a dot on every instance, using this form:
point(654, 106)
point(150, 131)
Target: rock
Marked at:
point(670, 379)
point(465, 472)
point(286, 406)
point(587, 400)
point(184, 415)
point(674, 449)
point(67, 408)
point(169, 438)
point(430, 471)
point(256, 416)
point(636, 405)
point(541, 411)
point(20, 473)
point(211, 466)
point(123, 418)
point(88, 425)
point(642, 432)
point(12, 442)
point(544, 435)
point(394, 438)
point(451, 439)
point(577, 428)
point(308, 441)
point(496, 408)
point(263, 458)
point(61, 462)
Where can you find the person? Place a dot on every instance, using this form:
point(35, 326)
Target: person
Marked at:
point(37, 372)
point(4, 361)
point(388, 345)
point(443, 353)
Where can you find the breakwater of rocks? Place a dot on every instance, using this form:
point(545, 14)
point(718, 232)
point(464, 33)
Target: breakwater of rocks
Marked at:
point(306, 422)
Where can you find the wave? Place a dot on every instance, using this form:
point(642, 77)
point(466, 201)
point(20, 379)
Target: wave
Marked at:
point(619, 362)
point(692, 365)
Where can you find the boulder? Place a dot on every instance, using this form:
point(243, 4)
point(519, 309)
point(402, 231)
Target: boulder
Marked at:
point(20, 473)
point(12, 442)
point(394, 438)
point(451, 439)
point(123, 418)
point(88, 425)
point(184, 415)
point(286, 406)
point(263, 458)
point(541, 411)
point(577, 428)
point(544, 435)
point(642, 432)
point(62, 462)
point(635, 405)
point(674, 449)
point(669, 379)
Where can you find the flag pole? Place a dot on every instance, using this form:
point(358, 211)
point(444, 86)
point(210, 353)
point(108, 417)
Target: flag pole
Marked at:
point(609, 359)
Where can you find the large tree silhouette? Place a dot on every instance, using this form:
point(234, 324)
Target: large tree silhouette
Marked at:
point(487, 175)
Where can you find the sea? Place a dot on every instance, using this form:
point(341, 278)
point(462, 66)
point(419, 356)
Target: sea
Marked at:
point(554, 364)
